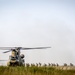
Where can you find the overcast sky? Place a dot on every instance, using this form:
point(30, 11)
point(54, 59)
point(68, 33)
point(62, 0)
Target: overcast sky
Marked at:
point(33, 23)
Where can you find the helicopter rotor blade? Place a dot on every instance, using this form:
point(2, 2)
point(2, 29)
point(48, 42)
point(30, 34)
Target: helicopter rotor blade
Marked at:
point(6, 48)
point(7, 51)
point(20, 48)
point(35, 48)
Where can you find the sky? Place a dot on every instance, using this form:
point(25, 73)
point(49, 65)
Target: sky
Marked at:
point(36, 23)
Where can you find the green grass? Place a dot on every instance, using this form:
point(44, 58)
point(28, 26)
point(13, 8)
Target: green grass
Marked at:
point(4, 70)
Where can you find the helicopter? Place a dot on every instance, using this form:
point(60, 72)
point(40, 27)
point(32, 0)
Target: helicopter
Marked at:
point(16, 58)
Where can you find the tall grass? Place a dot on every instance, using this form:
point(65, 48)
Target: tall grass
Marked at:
point(4, 70)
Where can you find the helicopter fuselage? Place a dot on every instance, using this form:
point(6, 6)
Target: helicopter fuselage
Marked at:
point(15, 59)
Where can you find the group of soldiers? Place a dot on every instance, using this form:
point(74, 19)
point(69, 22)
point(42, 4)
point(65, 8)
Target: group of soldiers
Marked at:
point(46, 65)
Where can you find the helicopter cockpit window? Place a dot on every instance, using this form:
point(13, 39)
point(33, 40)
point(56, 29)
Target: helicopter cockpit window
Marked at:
point(12, 58)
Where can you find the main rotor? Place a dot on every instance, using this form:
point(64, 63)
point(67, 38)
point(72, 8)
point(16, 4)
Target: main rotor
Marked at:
point(20, 48)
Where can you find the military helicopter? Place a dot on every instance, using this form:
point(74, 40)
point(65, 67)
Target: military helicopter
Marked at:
point(16, 58)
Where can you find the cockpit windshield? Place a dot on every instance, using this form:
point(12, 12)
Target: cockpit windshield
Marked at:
point(12, 58)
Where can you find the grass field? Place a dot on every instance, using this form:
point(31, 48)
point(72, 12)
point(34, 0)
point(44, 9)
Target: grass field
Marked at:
point(4, 70)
